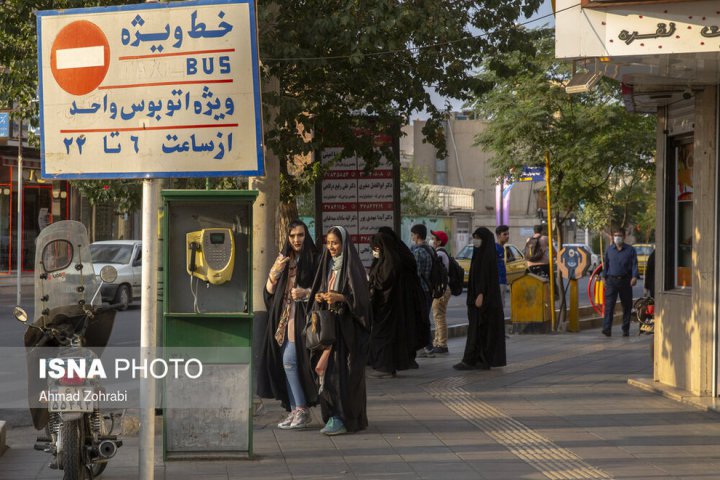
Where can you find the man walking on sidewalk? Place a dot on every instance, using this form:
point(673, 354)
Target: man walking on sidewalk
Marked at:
point(620, 274)
point(421, 250)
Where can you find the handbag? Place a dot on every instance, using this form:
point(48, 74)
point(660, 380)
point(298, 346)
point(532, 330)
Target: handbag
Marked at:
point(319, 330)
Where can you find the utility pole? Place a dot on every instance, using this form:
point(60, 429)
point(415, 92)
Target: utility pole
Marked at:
point(18, 247)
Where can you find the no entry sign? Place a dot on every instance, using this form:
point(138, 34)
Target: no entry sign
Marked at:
point(80, 57)
point(150, 90)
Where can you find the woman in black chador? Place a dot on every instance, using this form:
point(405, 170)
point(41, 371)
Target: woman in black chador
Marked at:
point(341, 282)
point(485, 345)
point(394, 309)
point(419, 335)
point(284, 371)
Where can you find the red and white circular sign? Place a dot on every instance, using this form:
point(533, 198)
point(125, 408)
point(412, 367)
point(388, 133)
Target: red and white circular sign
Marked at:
point(80, 57)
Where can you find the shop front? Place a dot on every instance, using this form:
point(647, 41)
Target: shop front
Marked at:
point(666, 56)
point(44, 202)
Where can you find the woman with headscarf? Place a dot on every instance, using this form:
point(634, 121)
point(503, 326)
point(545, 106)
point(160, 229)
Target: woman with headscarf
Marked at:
point(341, 284)
point(284, 371)
point(418, 333)
point(394, 311)
point(485, 346)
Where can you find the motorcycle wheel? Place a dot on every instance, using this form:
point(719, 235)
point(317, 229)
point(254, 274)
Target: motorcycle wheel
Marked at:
point(73, 468)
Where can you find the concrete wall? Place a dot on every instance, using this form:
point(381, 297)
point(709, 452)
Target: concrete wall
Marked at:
point(468, 167)
point(684, 323)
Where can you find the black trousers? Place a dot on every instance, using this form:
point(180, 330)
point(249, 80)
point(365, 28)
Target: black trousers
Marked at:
point(614, 287)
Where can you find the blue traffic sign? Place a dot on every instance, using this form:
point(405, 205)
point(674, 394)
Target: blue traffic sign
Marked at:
point(4, 124)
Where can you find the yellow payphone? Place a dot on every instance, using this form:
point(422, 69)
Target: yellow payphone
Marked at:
point(211, 255)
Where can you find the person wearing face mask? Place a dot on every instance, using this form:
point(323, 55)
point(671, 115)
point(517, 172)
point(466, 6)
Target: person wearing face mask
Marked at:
point(394, 309)
point(438, 240)
point(620, 274)
point(485, 344)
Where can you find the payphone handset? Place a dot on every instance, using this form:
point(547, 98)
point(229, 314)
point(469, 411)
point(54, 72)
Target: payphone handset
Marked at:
point(211, 254)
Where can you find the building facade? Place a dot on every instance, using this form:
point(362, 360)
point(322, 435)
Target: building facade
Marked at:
point(666, 54)
point(465, 184)
point(44, 201)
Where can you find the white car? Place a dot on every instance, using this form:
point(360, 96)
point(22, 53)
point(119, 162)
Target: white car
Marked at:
point(126, 257)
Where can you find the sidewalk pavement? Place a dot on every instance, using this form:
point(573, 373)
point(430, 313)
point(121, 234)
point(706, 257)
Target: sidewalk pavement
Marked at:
point(561, 409)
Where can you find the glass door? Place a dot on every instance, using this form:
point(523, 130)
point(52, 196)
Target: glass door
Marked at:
point(37, 214)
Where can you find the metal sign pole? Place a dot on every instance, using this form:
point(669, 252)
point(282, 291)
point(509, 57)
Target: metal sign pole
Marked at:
point(18, 247)
point(550, 244)
point(148, 327)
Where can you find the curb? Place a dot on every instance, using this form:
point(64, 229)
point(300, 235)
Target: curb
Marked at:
point(3, 437)
point(460, 330)
point(706, 404)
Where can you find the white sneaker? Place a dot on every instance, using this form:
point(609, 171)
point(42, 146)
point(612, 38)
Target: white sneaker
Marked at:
point(285, 424)
point(302, 419)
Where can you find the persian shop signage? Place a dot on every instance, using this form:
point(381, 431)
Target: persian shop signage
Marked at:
point(657, 29)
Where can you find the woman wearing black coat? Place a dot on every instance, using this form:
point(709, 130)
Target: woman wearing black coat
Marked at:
point(395, 309)
point(341, 284)
point(485, 345)
point(284, 371)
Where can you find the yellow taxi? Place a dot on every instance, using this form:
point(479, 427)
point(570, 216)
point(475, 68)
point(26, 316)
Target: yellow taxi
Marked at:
point(643, 251)
point(515, 263)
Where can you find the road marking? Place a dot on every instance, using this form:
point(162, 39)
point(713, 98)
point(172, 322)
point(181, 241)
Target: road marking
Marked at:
point(541, 453)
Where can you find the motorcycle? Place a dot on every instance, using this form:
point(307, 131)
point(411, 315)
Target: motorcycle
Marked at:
point(645, 312)
point(70, 318)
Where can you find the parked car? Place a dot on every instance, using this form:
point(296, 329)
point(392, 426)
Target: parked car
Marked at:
point(643, 251)
point(515, 263)
point(126, 257)
point(594, 257)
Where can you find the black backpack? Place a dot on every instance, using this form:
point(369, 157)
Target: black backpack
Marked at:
point(456, 275)
point(533, 251)
point(438, 274)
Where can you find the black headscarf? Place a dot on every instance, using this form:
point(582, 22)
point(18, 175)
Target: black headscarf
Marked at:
point(271, 382)
point(353, 279)
point(308, 255)
point(406, 256)
point(385, 268)
point(483, 276)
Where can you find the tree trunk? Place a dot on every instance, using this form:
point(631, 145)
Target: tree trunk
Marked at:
point(287, 212)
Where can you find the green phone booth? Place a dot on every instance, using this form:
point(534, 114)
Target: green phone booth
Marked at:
point(207, 317)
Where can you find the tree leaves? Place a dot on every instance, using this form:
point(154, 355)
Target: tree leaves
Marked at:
point(594, 143)
point(333, 59)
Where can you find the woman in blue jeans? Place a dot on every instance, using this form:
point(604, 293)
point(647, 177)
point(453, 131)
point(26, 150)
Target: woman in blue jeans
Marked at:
point(284, 371)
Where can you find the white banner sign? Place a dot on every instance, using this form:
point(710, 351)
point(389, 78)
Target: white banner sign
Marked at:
point(150, 91)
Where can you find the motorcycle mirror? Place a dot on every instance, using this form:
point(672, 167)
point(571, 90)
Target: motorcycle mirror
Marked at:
point(20, 314)
point(108, 274)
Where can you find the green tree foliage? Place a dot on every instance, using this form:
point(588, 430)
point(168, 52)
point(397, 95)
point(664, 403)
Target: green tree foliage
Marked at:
point(340, 67)
point(123, 195)
point(596, 147)
point(19, 85)
point(346, 66)
point(416, 197)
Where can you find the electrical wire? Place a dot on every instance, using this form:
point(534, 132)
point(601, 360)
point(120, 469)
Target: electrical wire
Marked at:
point(410, 50)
